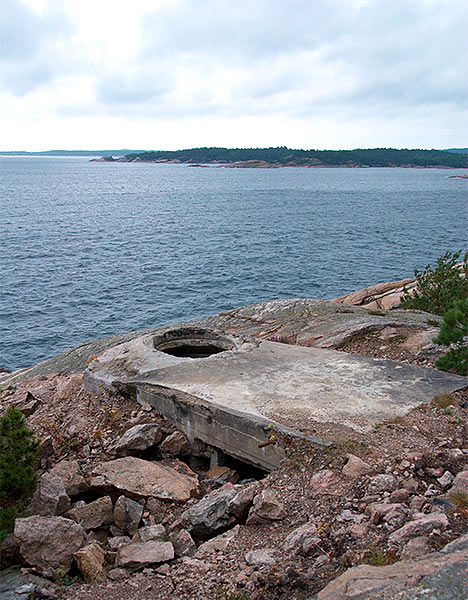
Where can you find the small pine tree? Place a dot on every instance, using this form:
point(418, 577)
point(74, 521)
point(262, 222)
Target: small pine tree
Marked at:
point(453, 330)
point(438, 288)
point(18, 458)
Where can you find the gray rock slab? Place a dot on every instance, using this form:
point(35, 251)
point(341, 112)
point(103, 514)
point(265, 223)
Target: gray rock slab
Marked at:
point(303, 321)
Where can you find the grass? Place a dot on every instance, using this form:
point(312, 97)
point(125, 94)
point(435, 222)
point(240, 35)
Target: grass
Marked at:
point(444, 401)
point(460, 501)
point(379, 557)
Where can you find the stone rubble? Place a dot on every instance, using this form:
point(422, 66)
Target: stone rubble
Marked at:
point(142, 528)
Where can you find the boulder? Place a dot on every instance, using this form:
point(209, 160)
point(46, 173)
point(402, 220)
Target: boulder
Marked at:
point(175, 444)
point(144, 554)
point(127, 514)
point(138, 438)
point(93, 515)
point(48, 543)
point(90, 560)
point(302, 540)
point(355, 467)
point(70, 473)
point(422, 526)
point(383, 482)
point(242, 501)
point(210, 514)
point(217, 544)
point(183, 543)
point(151, 532)
point(460, 484)
point(266, 507)
point(137, 478)
point(50, 498)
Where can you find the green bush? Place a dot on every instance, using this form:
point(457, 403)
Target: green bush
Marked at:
point(18, 458)
point(439, 288)
point(452, 331)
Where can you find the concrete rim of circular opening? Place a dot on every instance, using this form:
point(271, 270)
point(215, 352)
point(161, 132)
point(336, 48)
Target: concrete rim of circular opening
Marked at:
point(191, 342)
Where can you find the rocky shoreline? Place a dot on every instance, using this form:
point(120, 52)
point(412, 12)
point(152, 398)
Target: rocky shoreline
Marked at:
point(127, 507)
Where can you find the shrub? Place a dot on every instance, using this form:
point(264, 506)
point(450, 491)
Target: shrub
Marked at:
point(437, 289)
point(453, 330)
point(18, 458)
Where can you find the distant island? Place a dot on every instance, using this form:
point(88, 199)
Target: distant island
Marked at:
point(286, 157)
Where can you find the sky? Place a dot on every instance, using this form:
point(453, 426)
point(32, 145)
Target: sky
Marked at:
point(172, 74)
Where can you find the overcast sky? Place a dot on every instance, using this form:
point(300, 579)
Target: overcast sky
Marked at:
point(169, 74)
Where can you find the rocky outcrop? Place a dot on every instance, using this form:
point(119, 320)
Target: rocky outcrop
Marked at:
point(93, 515)
point(381, 296)
point(440, 575)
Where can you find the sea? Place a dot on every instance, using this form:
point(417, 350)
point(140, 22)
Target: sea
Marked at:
point(91, 249)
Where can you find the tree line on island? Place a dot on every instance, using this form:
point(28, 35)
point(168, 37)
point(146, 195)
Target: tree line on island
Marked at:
point(284, 157)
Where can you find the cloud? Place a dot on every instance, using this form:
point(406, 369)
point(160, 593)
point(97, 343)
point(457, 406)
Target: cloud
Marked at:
point(323, 61)
point(30, 44)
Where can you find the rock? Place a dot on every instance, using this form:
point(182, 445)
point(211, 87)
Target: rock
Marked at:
point(355, 467)
point(416, 547)
point(138, 438)
point(93, 515)
point(400, 495)
point(175, 444)
point(382, 483)
point(50, 497)
point(8, 552)
point(324, 482)
point(151, 532)
point(97, 535)
point(460, 484)
point(29, 405)
point(118, 574)
point(144, 554)
point(127, 514)
point(46, 449)
point(423, 526)
point(394, 513)
point(261, 557)
point(211, 513)
point(446, 479)
point(138, 479)
point(241, 502)
point(183, 543)
point(223, 474)
point(90, 560)
point(217, 544)
point(302, 540)
point(266, 507)
point(48, 543)
point(439, 576)
point(70, 473)
point(118, 540)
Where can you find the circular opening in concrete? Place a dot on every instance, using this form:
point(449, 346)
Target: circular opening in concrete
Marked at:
point(192, 343)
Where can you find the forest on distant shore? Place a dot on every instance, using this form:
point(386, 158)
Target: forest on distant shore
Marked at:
point(285, 157)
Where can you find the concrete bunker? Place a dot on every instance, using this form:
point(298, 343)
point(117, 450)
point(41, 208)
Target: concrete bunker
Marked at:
point(189, 342)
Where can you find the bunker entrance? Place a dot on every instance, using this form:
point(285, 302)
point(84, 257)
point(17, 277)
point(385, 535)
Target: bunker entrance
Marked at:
point(193, 343)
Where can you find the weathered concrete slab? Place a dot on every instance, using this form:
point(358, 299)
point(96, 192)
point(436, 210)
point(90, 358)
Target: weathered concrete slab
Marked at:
point(280, 380)
point(235, 399)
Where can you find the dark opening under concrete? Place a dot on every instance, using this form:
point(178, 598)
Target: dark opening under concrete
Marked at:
point(192, 343)
point(187, 350)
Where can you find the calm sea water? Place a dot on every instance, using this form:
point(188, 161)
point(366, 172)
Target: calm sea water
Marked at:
point(92, 249)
